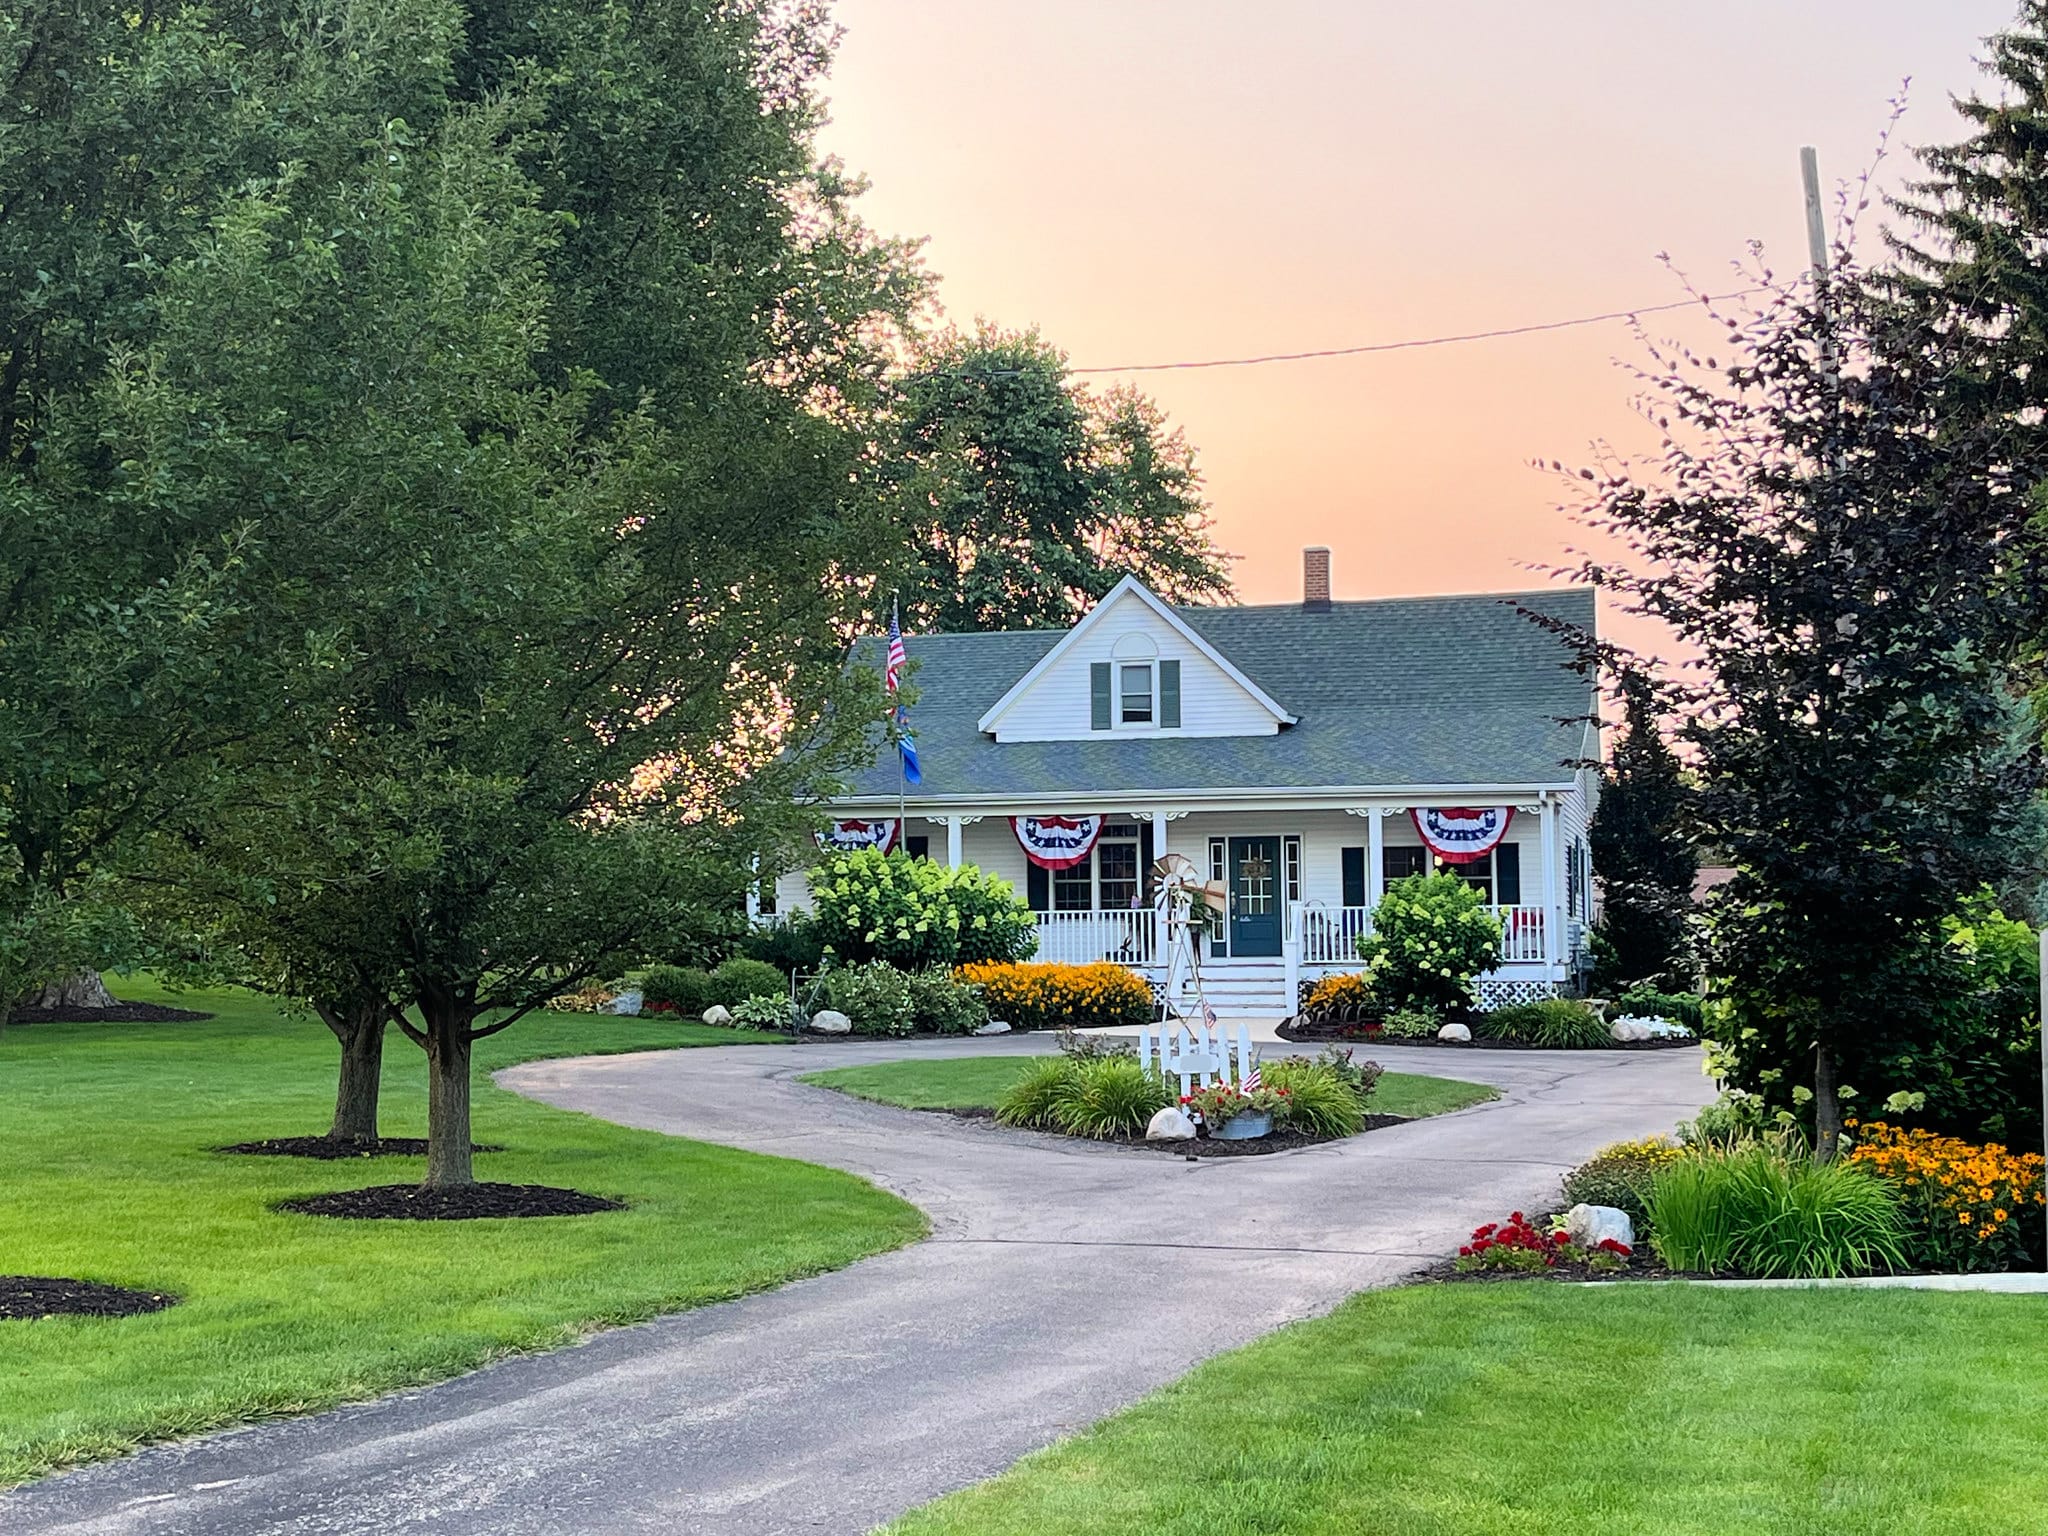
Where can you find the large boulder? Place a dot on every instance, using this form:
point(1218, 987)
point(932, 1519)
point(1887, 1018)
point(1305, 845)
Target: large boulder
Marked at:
point(829, 1021)
point(718, 1013)
point(1589, 1225)
point(1170, 1124)
point(628, 1002)
point(1630, 1031)
point(1456, 1032)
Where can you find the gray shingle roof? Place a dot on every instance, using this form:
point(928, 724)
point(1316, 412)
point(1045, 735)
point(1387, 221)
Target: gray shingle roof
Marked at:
point(1408, 691)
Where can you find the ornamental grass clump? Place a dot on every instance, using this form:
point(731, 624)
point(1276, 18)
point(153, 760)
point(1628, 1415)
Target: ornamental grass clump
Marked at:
point(1093, 1096)
point(1557, 1023)
point(1967, 1208)
point(1432, 935)
point(1316, 1100)
point(1767, 1209)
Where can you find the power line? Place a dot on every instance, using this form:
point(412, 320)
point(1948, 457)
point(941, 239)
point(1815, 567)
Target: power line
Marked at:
point(1426, 341)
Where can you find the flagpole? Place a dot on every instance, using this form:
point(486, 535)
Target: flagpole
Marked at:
point(896, 719)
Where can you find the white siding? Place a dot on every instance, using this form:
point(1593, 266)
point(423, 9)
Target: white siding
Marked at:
point(1056, 705)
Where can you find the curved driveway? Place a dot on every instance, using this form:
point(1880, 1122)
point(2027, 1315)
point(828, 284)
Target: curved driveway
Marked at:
point(1062, 1281)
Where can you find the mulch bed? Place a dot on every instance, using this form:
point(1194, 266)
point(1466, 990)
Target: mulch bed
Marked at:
point(1642, 1265)
point(411, 1202)
point(121, 1013)
point(327, 1150)
point(1314, 1032)
point(31, 1296)
point(1207, 1146)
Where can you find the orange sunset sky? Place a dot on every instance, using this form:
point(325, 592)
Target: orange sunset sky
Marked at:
point(1150, 181)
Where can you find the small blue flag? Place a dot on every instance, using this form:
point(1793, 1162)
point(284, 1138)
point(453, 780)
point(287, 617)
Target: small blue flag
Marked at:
point(911, 772)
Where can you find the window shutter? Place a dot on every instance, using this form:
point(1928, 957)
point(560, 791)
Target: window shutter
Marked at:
point(1507, 874)
point(1169, 695)
point(1145, 858)
point(1354, 877)
point(1038, 887)
point(1098, 696)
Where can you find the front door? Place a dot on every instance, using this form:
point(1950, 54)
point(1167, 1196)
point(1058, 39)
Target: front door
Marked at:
point(1254, 896)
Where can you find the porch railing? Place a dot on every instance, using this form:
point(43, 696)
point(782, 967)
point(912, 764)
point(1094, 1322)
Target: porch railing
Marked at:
point(1330, 935)
point(1082, 938)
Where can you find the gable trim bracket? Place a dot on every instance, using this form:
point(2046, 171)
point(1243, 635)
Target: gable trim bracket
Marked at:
point(995, 712)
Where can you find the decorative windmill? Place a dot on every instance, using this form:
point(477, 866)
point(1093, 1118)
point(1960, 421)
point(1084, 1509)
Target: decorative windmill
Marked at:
point(1180, 888)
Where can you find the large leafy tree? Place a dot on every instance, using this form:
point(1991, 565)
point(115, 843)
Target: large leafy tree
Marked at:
point(1641, 848)
point(595, 423)
point(1028, 496)
point(1851, 565)
point(145, 623)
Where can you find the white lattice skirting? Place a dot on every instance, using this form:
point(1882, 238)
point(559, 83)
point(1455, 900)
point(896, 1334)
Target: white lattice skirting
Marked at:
point(1505, 994)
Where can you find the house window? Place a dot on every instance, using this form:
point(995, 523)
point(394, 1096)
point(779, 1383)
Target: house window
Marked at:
point(1134, 693)
point(1119, 880)
point(918, 847)
point(1073, 888)
point(1497, 875)
point(764, 897)
point(1219, 926)
point(1400, 863)
point(1290, 859)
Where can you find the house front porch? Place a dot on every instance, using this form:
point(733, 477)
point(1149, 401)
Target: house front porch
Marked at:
point(1302, 881)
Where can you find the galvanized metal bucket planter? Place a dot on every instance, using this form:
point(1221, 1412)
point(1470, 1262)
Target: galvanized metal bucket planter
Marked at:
point(1245, 1125)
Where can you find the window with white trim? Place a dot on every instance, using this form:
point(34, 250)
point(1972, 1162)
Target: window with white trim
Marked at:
point(1135, 693)
point(1290, 861)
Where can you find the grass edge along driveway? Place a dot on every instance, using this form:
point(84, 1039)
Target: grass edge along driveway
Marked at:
point(1521, 1408)
point(976, 1082)
point(106, 1129)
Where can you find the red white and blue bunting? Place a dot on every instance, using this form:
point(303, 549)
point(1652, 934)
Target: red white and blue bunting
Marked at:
point(1056, 842)
point(852, 836)
point(1460, 834)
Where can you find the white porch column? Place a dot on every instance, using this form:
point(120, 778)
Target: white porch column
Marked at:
point(1376, 855)
point(953, 825)
point(1160, 817)
point(1546, 821)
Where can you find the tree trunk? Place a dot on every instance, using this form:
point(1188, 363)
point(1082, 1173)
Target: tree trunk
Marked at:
point(360, 1029)
point(82, 990)
point(1827, 1106)
point(448, 1048)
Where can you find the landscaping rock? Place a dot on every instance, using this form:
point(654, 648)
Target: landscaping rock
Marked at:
point(994, 1027)
point(1589, 1225)
point(628, 1003)
point(1454, 1032)
point(829, 1021)
point(718, 1013)
point(1629, 1031)
point(1171, 1124)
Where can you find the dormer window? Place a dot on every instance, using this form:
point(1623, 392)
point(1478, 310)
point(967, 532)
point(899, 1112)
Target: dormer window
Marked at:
point(1134, 693)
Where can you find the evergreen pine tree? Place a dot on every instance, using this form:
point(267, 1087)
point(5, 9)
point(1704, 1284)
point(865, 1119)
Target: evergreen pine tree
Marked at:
point(1646, 866)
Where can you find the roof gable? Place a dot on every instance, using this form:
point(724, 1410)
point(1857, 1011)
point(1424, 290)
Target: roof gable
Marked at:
point(1131, 611)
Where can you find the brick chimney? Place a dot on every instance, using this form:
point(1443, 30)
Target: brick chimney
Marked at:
point(1315, 580)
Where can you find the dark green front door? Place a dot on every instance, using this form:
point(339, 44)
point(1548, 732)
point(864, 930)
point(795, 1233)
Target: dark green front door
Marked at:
point(1254, 896)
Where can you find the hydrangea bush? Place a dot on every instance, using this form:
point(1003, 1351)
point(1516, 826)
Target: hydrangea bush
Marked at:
point(915, 914)
point(1432, 937)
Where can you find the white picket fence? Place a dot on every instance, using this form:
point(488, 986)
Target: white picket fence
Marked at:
point(1198, 1054)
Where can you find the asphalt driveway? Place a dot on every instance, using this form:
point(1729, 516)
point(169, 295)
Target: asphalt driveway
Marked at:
point(1062, 1281)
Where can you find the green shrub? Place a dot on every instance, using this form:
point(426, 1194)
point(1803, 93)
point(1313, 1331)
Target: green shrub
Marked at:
point(875, 997)
point(1319, 1102)
point(1561, 1023)
point(1621, 1176)
point(1432, 935)
point(1110, 1096)
point(1032, 1099)
point(1768, 1211)
point(790, 944)
point(1411, 1023)
point(738, 979)
point(916, 914)
point(1647, 1002)
point(676, 989)
point(941, 1005)
point(764, 1012)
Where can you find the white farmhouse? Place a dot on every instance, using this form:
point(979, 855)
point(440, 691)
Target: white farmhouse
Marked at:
point(1301, 754)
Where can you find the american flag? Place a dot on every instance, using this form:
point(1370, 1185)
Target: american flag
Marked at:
point(897, 655)
point(1250, 1081)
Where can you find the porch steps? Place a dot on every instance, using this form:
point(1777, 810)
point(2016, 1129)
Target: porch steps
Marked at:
point(1247, 989)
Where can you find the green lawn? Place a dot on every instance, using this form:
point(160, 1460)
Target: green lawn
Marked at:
point(104, 1131)
point(976, 1082)
point(1527, 1409)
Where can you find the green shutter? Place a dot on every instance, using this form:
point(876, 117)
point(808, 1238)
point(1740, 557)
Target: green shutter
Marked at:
point(1169, 695)
point(1098, 696)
